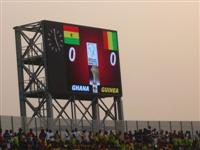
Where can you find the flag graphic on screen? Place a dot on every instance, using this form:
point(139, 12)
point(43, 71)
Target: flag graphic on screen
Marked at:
point(71, 35)
point(110, 40)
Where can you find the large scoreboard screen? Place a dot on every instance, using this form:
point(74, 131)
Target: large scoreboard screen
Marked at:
point(81, 61)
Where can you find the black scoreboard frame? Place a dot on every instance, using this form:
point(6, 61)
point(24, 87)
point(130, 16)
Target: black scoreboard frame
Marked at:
point(79, 95)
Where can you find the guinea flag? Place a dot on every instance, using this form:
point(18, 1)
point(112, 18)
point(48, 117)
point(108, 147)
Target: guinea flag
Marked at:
point(110, 40)
point(71, 35)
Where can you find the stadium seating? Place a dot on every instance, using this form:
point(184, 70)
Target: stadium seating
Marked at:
point(143, 139)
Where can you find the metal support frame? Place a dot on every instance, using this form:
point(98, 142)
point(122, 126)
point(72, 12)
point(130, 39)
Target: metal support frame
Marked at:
point(33, 87)
point(31, 72)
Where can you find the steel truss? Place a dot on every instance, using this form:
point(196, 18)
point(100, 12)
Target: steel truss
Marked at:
point(34, 94)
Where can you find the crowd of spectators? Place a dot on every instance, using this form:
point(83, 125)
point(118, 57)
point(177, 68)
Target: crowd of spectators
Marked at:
point(146, 139)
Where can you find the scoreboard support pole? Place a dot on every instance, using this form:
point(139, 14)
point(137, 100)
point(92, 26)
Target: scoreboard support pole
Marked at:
point(120, 109)
point(20, 78)
point(49, 111)
point(95, 114)
point(73, 113)
point(119, 114)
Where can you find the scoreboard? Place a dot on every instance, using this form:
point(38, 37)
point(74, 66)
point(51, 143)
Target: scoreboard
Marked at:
point(81, 61)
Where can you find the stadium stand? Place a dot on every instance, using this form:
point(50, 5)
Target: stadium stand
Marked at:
point(143, 139)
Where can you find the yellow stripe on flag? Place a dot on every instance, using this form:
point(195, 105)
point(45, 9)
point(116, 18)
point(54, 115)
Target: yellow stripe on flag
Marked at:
point(110, 40)
point(69, 34)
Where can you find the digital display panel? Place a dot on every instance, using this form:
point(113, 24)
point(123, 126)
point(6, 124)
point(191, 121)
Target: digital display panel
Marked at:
point(81, 61)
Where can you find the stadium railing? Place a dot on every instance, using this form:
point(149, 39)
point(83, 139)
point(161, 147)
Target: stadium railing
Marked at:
point(14, 123)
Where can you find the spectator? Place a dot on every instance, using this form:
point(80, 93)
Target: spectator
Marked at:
point(67, 136)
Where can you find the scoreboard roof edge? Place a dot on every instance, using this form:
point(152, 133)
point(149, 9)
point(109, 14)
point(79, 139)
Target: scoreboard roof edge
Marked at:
point(79, 25)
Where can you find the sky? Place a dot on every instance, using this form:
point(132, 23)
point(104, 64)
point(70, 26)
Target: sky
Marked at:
point(158, 43)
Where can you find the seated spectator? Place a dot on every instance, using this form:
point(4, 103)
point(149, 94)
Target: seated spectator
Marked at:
point(102, 140)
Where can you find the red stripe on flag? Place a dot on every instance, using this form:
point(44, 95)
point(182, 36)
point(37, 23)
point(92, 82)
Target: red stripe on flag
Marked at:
point(71, 28)
point(105, 40)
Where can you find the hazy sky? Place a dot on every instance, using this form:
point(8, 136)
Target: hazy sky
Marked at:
point(159, 52)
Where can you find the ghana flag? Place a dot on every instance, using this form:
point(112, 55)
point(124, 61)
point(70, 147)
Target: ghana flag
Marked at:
point(110, 40)
point(71, 35)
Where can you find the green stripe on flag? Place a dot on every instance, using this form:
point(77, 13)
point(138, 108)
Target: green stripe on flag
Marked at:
point(73, 41)
point(115, 44)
